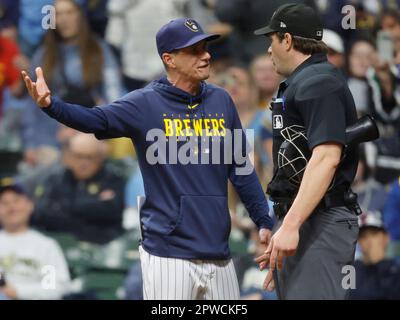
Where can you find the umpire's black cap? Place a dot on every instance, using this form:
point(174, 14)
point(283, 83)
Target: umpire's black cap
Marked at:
point(296, 19)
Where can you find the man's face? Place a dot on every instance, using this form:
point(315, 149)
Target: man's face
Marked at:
point(84, 164)
point(15, 210)
point(279, 55)
point(240, 88)
point(264, 74)
point(373, 244)
point(362, 56)
point(193, 62)
point(391, 25)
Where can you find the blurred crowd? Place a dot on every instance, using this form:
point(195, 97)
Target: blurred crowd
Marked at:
point(72, 201)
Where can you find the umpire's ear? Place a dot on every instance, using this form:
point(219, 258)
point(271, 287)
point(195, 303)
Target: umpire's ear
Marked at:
point(288, 41)
point(168, 60)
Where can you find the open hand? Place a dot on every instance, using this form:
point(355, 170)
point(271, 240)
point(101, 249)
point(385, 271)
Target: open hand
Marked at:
point(283, 243)
point(39, 91)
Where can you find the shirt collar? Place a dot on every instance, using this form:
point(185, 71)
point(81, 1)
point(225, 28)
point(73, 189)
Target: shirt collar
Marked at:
point(315, 58)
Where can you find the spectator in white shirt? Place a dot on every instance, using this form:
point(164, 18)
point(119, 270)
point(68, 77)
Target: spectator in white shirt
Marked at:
point(32, 265)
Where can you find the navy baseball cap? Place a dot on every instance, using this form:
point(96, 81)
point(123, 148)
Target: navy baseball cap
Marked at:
point(296, 19)
point(180, 33)
point(7, 184)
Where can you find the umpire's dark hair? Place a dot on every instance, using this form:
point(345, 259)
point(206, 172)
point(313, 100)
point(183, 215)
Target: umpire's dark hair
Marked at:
point(305, 45)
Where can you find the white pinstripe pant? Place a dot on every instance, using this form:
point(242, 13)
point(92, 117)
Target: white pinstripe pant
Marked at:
point(181, 279)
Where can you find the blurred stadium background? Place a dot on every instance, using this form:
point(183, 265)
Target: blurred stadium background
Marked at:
point(85, 192)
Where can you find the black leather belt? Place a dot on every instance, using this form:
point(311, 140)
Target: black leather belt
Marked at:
point(282, 206)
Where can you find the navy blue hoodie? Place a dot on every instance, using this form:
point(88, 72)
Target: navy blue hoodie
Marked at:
point(185, 214)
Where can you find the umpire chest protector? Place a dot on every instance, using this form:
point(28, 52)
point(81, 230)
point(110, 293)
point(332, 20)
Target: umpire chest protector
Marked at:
point(313, 106)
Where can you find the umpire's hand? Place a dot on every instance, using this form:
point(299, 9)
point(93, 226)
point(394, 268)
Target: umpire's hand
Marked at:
point(283, 243)
point(39, 91)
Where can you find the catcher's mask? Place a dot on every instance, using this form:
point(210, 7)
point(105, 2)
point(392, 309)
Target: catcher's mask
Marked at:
point(294, 153)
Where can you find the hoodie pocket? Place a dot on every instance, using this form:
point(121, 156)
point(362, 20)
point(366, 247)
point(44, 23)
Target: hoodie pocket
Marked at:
point(204, 223)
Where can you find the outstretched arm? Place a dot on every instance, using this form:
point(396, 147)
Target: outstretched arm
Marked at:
point(89, 120)
point(121, 118)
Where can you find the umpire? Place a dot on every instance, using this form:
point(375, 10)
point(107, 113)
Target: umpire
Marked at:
point(317, 230)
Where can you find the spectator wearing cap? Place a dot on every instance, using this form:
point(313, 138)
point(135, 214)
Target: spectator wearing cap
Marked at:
point(377, 278)
point(27, 256)
point(335, 48)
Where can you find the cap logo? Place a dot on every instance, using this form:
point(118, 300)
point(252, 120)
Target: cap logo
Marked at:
point(192, 25)
point(283, 25)
point(10, 181)
point(319, 33)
